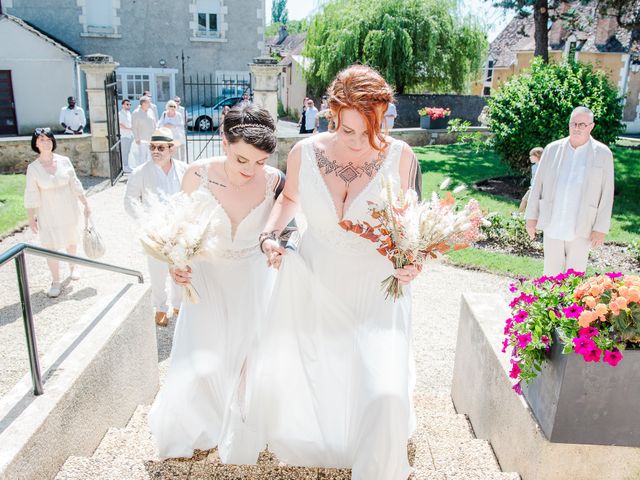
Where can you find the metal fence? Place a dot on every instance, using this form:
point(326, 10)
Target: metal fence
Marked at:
point(205, 97)
point(113, 127)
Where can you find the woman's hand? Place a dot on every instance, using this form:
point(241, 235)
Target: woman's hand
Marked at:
point(406, 274)
point(180, 277)
point(274, 253)
point(33, 225)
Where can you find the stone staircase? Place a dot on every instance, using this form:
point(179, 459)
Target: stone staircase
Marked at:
point(443, 448)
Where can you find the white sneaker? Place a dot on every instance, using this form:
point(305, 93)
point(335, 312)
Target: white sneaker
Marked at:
point(54, 291)
point(74, 275)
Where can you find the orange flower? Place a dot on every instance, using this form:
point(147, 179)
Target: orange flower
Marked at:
point(621, 302)
point(589, 301)
point(596, 290)
point(613, 306)
point(634, 294)
point(448, 200)
point(586, 317)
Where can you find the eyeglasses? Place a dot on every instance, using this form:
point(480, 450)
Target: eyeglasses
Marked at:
point(172, 106)
point(160, 148)
point(42, 130)
point(579, 126)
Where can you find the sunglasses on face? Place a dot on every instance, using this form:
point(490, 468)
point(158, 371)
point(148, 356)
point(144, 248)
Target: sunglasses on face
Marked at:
point(160, 148)
point(172, 107)
point(42, 131)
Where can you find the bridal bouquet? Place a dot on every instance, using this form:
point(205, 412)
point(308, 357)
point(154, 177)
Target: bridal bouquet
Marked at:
point(179, 230)
point(410, 232)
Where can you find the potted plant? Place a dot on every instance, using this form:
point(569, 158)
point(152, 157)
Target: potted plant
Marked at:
point(434, 117)
point(566, 333)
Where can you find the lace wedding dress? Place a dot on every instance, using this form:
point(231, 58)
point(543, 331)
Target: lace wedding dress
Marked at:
point(332, 386)
point(214, 337)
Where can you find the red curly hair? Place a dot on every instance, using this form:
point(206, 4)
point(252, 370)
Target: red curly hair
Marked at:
point(361, 88)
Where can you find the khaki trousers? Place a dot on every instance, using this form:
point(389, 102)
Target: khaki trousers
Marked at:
point(560, 255)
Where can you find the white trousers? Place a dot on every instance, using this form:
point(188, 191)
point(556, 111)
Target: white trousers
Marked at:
point(125, 148)
point(560, 255)
point(159, 272)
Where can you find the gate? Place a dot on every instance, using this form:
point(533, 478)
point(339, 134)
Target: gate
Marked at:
point(113, 127)
point(205, 98)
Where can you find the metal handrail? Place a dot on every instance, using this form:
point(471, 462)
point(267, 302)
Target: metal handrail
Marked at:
point(17, 252)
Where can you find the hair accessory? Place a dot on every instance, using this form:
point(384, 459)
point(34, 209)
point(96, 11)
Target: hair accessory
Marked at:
point(242, 126)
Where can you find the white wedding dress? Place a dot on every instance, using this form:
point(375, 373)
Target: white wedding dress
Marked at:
point(214, 337)
point(333, 383)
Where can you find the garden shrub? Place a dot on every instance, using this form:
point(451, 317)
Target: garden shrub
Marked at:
point(533, 109)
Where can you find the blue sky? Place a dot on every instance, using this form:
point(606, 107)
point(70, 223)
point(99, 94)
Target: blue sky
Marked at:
point(495, 18)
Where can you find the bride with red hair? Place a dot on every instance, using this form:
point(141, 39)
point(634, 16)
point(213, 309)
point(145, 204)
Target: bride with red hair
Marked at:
point(332, 381)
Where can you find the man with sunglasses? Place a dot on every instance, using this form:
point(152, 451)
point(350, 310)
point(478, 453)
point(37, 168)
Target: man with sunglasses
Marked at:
point(161, 176)
point(572, 196)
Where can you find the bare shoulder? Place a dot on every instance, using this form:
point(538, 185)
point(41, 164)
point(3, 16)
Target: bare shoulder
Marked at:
point(321, 140)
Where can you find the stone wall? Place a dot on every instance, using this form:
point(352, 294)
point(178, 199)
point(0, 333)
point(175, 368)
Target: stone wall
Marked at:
point(466, 107)
point(16, 153)
point(415, 137)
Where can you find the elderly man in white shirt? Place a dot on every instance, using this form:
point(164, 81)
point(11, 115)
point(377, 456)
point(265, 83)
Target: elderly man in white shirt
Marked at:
point(143, 123)
point(571, 198)
point(161, 176)
point(72, 118)
point(126, 133)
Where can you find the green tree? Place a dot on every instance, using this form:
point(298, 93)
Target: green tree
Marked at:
point(293, 27)
point(279, 12)
point(413, 43)
point(533, 109)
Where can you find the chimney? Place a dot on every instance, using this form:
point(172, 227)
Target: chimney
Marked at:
point(282, 34)
point(605, 29)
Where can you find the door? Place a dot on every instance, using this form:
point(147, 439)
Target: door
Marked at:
point(8, 124)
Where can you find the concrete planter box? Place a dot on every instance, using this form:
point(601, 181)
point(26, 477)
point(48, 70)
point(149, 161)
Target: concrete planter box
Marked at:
point(587, 403)
point(438, 124)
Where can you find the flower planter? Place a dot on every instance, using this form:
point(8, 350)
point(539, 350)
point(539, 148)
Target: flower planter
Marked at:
point(439, 123)
point(587, 403)
point(425, 122)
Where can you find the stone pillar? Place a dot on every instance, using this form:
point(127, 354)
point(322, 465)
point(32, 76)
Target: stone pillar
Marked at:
point(265, 72)
point(96, 67)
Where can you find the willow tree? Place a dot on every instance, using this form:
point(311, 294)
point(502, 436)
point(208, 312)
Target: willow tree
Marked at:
point(413, 43)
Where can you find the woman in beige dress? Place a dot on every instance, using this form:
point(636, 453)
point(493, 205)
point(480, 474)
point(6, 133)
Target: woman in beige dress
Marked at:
point(52, 198)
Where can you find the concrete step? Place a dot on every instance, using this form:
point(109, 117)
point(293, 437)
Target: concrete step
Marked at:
point(442, 448)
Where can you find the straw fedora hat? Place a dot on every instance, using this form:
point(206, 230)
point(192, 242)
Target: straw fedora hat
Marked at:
point(163, 135)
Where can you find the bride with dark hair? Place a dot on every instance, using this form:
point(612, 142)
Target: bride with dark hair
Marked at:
point(215, 337)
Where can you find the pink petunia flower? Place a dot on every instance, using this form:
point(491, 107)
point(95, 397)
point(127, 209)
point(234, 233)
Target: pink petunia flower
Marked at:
point(524, 339)
point(592, 355)
point(515, 370)
point(612, 358)
point(507, 326)
point(505, 344)
point(588, 332)
point(521, 316)
point(517, 388)
point(573, 272)
point(513, 288)
point(583, 344)
point(573, 311)
point(614, 275)
point(544, 339)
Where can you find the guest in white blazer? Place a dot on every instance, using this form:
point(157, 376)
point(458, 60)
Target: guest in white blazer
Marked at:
point(572, 196)
point(162, 175)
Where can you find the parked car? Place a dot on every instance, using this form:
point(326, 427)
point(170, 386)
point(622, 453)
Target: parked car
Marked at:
point(206, 117)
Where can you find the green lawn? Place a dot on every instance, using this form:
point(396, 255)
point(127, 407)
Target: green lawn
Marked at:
point(12, 211)
point(463, 165)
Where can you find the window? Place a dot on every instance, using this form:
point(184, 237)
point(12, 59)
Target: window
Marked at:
point(489, 77)
point(99, 16)
point(208, 13)
point(486, 91)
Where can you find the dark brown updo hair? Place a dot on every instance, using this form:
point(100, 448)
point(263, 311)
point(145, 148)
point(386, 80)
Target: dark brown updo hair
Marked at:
point(251, 124)
point(47, 133)
point(361, 88)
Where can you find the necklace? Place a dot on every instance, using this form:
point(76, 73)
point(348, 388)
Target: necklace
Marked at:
point(237, 187)
point(347, 173)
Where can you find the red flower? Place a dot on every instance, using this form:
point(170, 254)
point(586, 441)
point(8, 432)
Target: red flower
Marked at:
point(517, 388)
point(592, 354)
point(583, 344)
point(588, 332)
point(515, 370)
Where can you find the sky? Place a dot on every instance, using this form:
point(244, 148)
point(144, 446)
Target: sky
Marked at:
point(495, 17)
